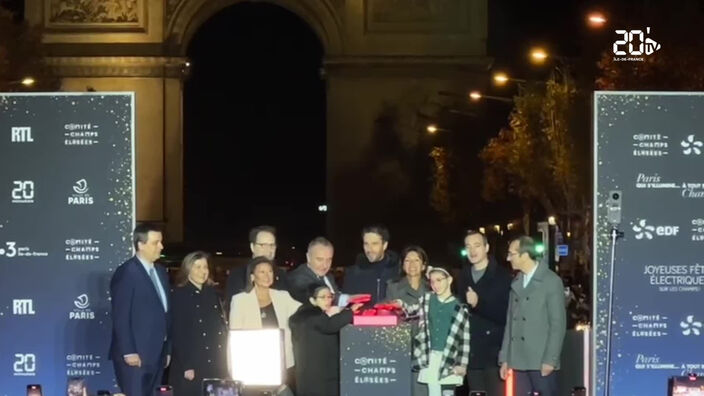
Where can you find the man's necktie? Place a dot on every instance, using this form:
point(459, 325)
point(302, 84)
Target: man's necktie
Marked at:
point(155, 281)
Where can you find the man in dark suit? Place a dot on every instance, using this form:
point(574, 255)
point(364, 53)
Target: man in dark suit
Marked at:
point(316, 270)
point(535, 323)
point(262, 242)
point(140, 348)
point(485, 285)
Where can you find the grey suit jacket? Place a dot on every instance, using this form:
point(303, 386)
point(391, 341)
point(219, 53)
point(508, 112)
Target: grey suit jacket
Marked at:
point(535, 322)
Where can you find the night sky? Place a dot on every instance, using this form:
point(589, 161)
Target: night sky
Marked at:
point(254, 111)
point(254, 126)
point(255, 114)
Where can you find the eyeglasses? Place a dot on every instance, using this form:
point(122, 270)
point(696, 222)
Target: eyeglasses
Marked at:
point(511, 254)
point(324, 297)
point(267, 245)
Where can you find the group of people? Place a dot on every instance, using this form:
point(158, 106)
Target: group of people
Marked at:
point(490, 324)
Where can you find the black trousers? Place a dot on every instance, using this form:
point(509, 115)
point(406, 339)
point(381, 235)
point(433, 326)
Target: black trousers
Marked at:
point(526, 381)
point(487, 380)
point(138, 381)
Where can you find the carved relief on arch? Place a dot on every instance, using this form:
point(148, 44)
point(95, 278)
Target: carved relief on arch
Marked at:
point(417, 16)
point(98, 15)
point(184, 17)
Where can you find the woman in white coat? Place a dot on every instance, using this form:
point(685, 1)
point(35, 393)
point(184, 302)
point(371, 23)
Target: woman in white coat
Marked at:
point(262, 307)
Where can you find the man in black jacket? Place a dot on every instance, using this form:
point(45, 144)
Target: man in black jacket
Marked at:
point(374, 268)
point(486, 286)
point(262, 242)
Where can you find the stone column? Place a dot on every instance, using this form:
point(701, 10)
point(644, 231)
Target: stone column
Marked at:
point(158, 87)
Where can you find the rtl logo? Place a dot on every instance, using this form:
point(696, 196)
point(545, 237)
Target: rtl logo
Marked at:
point(23, 307)
point(21, 135)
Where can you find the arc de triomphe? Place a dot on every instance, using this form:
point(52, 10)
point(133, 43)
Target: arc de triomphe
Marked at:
point(376, 51)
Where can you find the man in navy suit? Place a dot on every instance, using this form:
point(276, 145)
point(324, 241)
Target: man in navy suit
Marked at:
point(140, 348)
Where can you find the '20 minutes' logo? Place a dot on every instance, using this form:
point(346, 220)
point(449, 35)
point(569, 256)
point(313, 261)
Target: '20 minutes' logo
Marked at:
point(25, 364)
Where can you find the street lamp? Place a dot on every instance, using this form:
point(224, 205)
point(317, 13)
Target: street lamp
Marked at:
point(501, 78)
point(475, 96)
point(596, 20)
point(433, 129)
point(538, 55)
point(26, 81)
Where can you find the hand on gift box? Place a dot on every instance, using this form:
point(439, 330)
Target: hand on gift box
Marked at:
point(386, 307)
point(333, 310)
point(369, 312)
point(391, 304)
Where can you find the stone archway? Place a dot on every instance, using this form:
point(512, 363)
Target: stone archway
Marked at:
point(188, 16)
point(253, 101)
point(374, 54)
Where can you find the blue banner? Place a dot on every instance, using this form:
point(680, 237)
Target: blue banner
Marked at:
point(649, 186)
point(66, 216)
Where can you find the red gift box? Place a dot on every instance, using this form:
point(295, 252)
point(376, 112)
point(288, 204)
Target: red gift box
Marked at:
point(380, 315)
point(375, 320)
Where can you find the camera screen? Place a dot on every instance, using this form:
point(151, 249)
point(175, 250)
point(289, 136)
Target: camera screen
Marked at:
point(76, 387)
point(220, 388)
point(34, 390)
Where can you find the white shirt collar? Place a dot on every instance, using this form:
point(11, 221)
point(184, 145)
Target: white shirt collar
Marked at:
point(527, 277)
point(147, 265)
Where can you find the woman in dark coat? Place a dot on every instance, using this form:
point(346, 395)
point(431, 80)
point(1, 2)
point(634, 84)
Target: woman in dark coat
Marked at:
point(315, 329)
point(199, 329)
point(410, 285)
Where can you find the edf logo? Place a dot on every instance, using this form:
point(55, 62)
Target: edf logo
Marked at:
point(21, 135)
point(23, 307)
point(644, 230)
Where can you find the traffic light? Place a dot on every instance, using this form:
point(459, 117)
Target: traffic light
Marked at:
point(545, 244)
point(539, 248)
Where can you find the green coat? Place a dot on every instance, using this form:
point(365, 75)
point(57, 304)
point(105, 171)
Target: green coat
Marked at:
point(535, 322)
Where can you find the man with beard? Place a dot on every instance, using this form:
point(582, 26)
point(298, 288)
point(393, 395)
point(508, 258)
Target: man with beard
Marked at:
point(374, 268)
point(486, 286)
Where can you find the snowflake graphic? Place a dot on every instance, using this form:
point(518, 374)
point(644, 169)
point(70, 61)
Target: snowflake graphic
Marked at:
point(691, 146)
point(643, 230)
point(690, 326)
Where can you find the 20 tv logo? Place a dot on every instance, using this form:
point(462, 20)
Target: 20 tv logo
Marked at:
point(642, 45)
